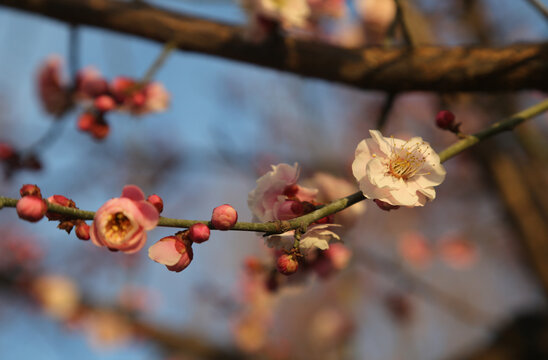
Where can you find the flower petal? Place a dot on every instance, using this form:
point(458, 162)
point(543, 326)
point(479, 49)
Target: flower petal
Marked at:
point(133, 192)
point(149, 215)
point(165, 252)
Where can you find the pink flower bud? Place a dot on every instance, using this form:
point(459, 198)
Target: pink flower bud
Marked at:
point(445, 120)
point(82, 231)
point(104, 103)
point(31, 208)
point(30, 190)
point(198, 233)
point(157, 202)
point(99, 130)
point(224, 217)
point(287, 264)
point(6, 151)
point(385, 206)
point(90, 84)
point(121, 87)
point(174, 253)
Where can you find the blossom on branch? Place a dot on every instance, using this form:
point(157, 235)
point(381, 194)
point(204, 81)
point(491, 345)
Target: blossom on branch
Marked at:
point(121, 223)
point(175, 252)
point(397, 172)
point(52, 90)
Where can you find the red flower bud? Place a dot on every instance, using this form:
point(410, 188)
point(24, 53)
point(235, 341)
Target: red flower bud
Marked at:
point(85, 121)
point(30, 190)
point(99, 130)
point(224, 217)
point(82, 231)
point(198, 233)
point(31, 208)
point(157, 202)
point(287, 264)
point(6, 151)
point(445, 120)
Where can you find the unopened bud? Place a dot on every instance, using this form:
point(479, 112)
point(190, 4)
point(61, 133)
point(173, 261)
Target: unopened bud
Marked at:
point(104, 103)
point(287, 264)
point(82, 231)
point(198, 233)
point(31, 208)
point(30, 190)
point(445, 120)
point(224, 217)
point(157, 202)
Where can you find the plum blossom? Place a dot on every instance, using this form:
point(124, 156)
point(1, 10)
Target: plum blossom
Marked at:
point(290, 13)
point(58, 295)
point(398, 172)
point(315, 237)
point(377, 16)
point(121, 223)
point(277, 194)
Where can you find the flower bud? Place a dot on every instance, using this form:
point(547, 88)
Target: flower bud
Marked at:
point(287, 264)
point(104, 103)
point(385, 206)
point(82, 231)
point(85, 121)
point(224, 217)
point(171, 251)
point(157, 202)
point(62, 201)
point(31, 208)
point(445, 120)
point(30, 190)
point(99, 130)
point(198, 233)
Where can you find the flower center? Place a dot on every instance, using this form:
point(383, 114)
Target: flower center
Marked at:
point(117, 227)
point(405, 161)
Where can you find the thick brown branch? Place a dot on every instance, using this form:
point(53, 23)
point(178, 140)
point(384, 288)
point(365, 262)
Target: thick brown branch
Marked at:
point(427, 68)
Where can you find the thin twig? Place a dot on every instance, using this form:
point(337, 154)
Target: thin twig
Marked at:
point(543, 9)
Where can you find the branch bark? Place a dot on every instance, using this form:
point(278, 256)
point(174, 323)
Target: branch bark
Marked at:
point(428, 68)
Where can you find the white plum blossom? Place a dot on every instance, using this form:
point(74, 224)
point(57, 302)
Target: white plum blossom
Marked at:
point(315, 237)
point(290, 13)
point(398, 172)
point(272, 198)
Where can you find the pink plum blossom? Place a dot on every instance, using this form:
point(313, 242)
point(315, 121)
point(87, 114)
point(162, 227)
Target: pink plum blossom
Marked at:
point(398, 172)
point(276, 192)
point(415, 249)
point(457, 252)
point(121, 223)
point(173, 252)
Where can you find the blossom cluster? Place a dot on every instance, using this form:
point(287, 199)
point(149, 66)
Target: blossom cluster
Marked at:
point(97, 96)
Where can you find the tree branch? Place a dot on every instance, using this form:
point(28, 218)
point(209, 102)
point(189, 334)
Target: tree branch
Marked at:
point(429, 68)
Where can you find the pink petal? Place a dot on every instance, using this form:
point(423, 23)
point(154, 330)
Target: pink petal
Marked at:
point(149, 215)
point(165, 252)
point(133, 192)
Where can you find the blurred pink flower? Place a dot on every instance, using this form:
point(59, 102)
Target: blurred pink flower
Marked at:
point(333, 8)
point(415, 250)
point(377, 16)
point(267, 201)
point(121, 223)
point(90, 84)
point(457, 252)
point(293, 13)
point(52, 90)
point(397, 172)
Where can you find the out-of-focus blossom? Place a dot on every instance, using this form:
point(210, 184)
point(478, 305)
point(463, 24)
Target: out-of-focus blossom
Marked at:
point(333, 8)
point(332, 188)
point(57, 295)
point(173, 252)
point(377, 16)
point(445, 119)
point(107, 329)
point(275, 192)
point(457, 252)
point(414, 249)
point(330, 327)
point(396, 171)
point(287, 264)
point(90, 84)
point(121, 223)
point(332, 260)
point(52, 90)
point(289, 13)
point(139, 99)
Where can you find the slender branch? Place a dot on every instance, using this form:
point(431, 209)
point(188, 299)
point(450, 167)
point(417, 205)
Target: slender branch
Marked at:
point(427, 68)
point(157, 64)
point(276, 227)
point(541, 8)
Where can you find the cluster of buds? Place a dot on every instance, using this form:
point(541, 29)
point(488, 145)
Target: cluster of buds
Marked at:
point(175, 252)
point(65, 222)
point(14, 160)
point(98, 96)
